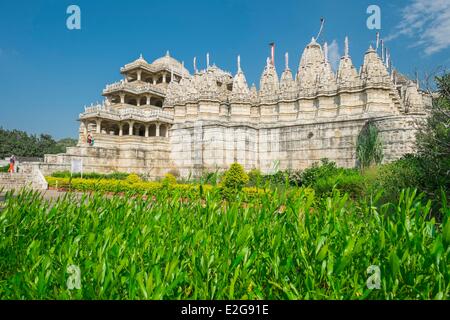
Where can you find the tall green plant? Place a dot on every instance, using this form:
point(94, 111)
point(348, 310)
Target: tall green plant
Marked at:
point(369, 148)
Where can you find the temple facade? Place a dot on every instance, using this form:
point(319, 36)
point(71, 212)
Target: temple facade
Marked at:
point(162, 118)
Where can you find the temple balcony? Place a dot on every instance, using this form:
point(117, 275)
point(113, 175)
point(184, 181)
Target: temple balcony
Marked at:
point(135, 88)
point(126, 113)
point(110, 140)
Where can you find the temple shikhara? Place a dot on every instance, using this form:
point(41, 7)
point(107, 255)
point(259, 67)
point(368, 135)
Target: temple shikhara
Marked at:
point(162, 118)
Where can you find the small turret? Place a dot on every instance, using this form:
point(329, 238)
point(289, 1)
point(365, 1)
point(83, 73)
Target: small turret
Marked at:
point(327, 79)
point(347, 75)
point(269, 84)
point(373, 69)
point(240, 87)
point(287, 83)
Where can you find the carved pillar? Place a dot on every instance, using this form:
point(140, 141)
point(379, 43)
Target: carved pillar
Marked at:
point(138, 101)
point(164, 77)
point(146, 130)
point(130, 129)
point(139, 74)
point(99, 125)
point(120, 129)
point(122, 98)
point(85, 129)
point(157, 129)
point(154, 79)
point(148, 99)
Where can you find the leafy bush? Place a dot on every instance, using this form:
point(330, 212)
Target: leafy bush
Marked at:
point(393, 177)
point(133, 178)
point(255, 178)
point(235, 178)
point(318, 171)
point(349, 181)
point(4, 168)
point(169, 179)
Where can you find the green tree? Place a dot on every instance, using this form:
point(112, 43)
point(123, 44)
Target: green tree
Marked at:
point(22, 144)
point(433, 140)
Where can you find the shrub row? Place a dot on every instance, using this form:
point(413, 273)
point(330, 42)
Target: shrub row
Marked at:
point(192, 191)
point(91, 175)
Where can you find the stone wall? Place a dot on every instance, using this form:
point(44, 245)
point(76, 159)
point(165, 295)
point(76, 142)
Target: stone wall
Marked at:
point(143, 155)
point(198, 146)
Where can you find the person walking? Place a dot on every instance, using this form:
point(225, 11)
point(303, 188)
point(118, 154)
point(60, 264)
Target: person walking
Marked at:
point(12, 162)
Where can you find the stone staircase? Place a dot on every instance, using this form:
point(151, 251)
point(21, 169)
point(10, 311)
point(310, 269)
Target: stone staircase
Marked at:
point(14, 181)
point(30, 176)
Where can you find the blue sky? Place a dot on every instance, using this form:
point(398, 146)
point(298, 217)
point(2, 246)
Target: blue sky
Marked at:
point(48, 73)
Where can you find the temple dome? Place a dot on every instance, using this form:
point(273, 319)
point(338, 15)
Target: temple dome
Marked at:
point(170, 63)
point(138, 62)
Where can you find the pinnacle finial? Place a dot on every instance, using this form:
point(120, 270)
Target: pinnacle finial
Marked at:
point(286, 60)
point(195, 65)
point(377, 41)
point(388, 58)
point(140, 56)
point(167, 53)
point(207, 60)
point(325, 51)
point(239, 63)
point(346, 51)
point(268, 61)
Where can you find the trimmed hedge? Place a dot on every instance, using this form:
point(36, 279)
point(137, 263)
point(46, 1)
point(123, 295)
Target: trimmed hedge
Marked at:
point(185, 190)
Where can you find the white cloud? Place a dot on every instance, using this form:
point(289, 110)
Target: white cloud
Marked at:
point(333, 54)
point(427, 22)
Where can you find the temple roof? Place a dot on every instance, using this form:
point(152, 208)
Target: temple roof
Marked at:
point(170, 63)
